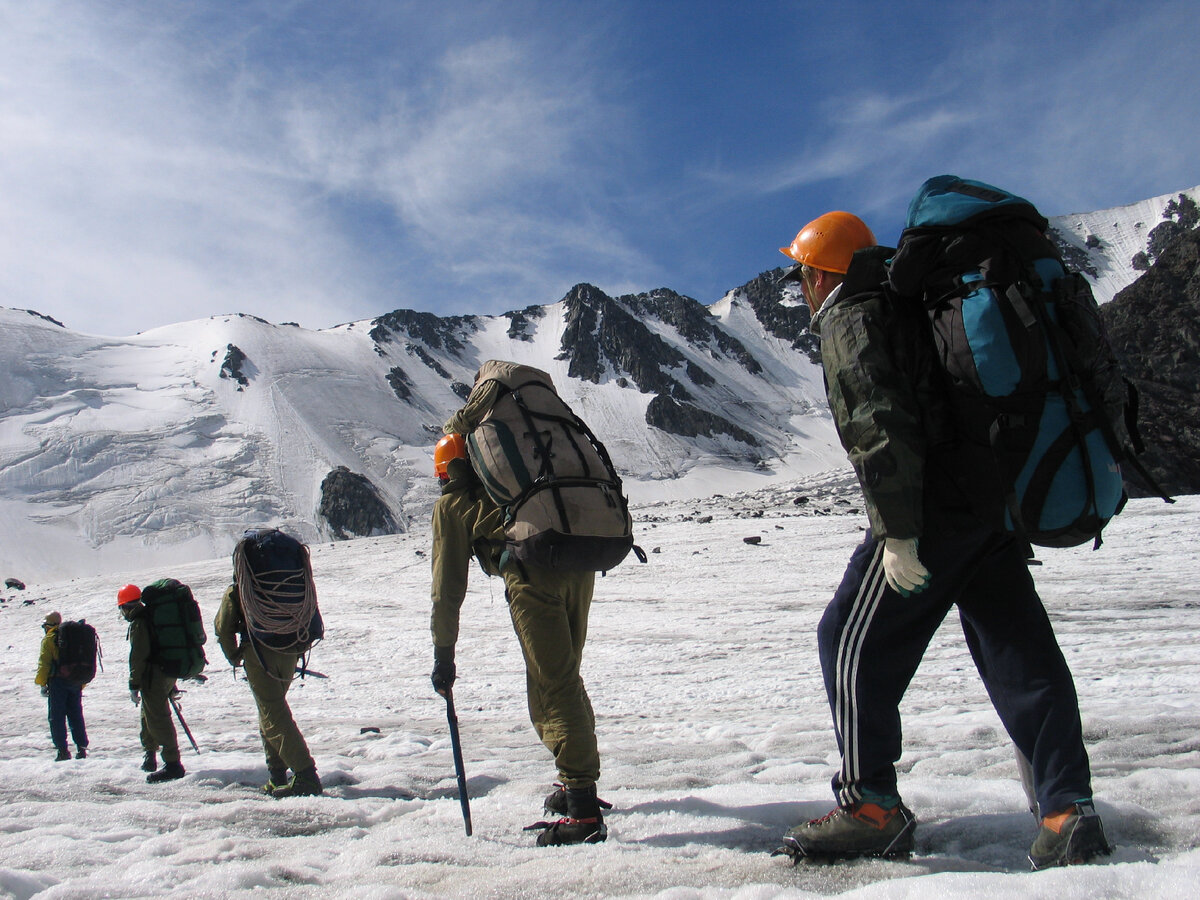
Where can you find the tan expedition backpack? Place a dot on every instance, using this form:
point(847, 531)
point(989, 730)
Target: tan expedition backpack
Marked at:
point(563, 502)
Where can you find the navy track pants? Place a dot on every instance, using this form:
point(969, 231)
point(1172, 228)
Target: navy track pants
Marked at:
point(66, 707)
point(872, 639)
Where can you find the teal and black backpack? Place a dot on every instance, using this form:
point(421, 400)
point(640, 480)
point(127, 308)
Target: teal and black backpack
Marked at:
point(176, 628)
point(1031, 376)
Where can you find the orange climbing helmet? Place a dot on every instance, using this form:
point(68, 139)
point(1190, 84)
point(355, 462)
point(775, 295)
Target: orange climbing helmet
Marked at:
point(128, 594)
point(452, 446)
point(828, 242)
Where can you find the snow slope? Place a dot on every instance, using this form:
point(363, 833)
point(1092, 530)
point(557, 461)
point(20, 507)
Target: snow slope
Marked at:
point(1123, 232)
point(712, 720)
point(131, 451)
point(128, 451)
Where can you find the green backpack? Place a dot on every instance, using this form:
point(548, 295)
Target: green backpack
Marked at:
point(176, 628)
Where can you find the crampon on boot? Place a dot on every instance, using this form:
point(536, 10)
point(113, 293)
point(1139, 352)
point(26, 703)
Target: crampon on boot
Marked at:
point(848, 832)
point(556, 801)
point(582, 824)
point(276, 778)
point(149, 761)
point(303, 784)
point(1069, 838)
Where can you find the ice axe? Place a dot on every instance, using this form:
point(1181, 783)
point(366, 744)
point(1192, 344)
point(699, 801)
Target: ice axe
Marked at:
point(182, 721)
point(456, 745)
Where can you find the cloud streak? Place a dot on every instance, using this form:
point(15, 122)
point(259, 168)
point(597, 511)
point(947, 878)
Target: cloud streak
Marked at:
point(217, 186)
point(320, 163)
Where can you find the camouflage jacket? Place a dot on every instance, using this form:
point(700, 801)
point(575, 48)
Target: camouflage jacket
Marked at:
point(884, 394)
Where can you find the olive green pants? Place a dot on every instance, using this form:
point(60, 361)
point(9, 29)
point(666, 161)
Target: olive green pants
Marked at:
point(158, 729)
point(270, 679)
point(550, 615)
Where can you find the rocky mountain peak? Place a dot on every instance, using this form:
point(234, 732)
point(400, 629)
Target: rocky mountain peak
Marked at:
point(1154, 325)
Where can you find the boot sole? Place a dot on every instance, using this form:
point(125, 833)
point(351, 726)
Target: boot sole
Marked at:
point(899, 849)
point(798, 854)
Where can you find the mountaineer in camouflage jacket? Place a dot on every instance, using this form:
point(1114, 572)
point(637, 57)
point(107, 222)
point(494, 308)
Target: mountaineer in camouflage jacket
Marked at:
point(932, 544)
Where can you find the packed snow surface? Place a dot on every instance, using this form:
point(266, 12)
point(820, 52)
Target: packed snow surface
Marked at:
point(715, 735)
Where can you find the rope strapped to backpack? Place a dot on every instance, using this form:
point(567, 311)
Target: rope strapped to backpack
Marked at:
point(279, 603)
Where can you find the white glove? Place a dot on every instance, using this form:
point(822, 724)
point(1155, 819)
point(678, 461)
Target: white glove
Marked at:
point(901, 567)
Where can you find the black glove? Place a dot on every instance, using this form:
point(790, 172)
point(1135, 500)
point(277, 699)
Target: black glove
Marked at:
point(444, 671)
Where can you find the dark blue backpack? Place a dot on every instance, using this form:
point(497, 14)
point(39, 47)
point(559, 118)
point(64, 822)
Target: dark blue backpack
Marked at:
point(78, 652)
point(1030, 373)
point(275, 586)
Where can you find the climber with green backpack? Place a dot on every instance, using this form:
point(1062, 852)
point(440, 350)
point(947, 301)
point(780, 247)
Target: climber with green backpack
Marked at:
point(166, 643)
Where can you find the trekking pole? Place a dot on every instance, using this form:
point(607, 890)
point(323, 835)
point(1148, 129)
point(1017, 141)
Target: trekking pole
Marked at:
point(463, 800)
point(182, 721)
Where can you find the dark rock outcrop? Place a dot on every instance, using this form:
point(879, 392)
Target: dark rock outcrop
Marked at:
point(1154, 326)
point(352, 506)
point(605, 336)
point(1075, 257)
point(424, 356)
point(601, 333)
point(688, 420)
point(693, 321)
point(433, 331)
point(521, 321)
point(400, 382)
point(232, 366)
point(45, 318)
point(787, 321)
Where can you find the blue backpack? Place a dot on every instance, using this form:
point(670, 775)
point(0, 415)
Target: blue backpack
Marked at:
point(1031, 376)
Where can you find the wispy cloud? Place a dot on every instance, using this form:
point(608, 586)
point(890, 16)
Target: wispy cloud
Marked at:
point(135, 171)
point(1063, 104)
point(322, 162)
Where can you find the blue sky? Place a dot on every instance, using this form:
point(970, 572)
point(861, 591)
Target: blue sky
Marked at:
point(320, 161)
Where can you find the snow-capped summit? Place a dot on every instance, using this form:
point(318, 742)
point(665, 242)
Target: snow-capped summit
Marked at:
point(163, 447)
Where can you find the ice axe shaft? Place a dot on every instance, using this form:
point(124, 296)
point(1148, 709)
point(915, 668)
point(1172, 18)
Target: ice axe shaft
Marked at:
point(183, 722)
point(459, 770)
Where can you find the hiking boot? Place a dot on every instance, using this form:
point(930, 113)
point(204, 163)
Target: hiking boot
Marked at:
point(81, 752)
point(1069, 838)
point(303, 784)
point(276, 778)
point(149, 761)
point(556, 801)
point(169, 772)
point(63, 753)
point(583, 822)
point(565, 831)
point(861, 829)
